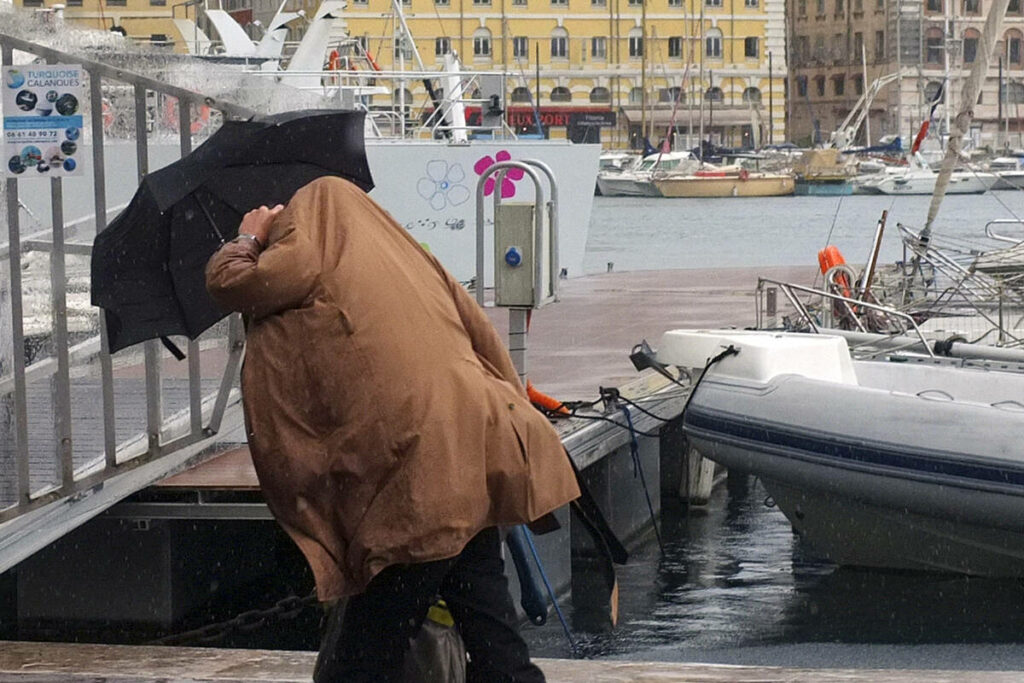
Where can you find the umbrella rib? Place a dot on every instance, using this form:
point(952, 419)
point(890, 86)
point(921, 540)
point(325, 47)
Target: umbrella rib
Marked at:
point(209, 218)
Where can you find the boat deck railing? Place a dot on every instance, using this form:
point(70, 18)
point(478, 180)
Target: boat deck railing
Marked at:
point(846, 308)
point(82, 428)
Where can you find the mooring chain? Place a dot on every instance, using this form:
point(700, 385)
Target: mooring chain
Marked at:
point(284, 609)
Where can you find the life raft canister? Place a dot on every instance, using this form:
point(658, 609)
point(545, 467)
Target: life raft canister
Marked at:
point(829, 258)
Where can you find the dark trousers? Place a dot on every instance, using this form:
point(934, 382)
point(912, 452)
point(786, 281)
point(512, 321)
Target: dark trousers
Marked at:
point(368, 642)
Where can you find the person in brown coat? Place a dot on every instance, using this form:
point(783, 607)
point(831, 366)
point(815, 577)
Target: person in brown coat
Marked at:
point(387, 425)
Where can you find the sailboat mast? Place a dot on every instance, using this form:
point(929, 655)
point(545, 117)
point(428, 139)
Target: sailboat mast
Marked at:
point(643, 67)
point(968, 96)
point(700, 84)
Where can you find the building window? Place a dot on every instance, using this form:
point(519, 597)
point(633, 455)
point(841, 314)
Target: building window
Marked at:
point(970, 45)
point(636, 3)
point(839, 8)
point(561, 94)
point(159, 39)
point(442, 3)
point(110, 3)
point(442, 46)
point(675, 3)
point(858, 46)
point(519, 3)
point(858, 6)
point(752, 4)
point(157, 3)
point(1012, 8)
point(934, 6)
point(801, 8)
point(34, 3)
point(636, 95)
point(1013, 55)
point(521, 94)
point(933, 47)
point(74, 3)
point(801, 86)
point(858, 85)
point(819, 85)
point(675, 47)
point(750, 48)
point(600, 95)
point(599, 47)
point(559, 44)
point(559, 3)
point(1015, 93)
point(752, 96)
point(521, 47)
point(712, 3)
point(482, 44)
point(714, 94)
point(598, 3)
point(879, 45)
point(932, 92)
point(636, 43)
point(972, 7)
point(477, 3)
point(673, 94)
point(839, 85)
point(821, 8)
point(713, 44)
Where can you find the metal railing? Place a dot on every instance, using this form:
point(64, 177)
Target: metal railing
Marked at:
point(849, 305)
point(66, 473)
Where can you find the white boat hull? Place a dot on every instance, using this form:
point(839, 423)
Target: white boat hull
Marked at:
point(626, 185)
point(898, 465)
point(914, 184)
point(428, 186)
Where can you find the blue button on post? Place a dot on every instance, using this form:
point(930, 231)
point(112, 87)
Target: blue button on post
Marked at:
point(512, 257)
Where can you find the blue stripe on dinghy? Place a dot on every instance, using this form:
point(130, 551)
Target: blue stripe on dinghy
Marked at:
point(835, 447)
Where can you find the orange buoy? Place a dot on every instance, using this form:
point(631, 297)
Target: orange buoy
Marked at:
point(334, 61)
point(829, 258)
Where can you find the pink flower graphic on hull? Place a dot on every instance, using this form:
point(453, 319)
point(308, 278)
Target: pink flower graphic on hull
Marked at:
point(508, 183)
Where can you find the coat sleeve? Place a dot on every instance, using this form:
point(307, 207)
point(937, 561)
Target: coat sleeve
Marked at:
point(241, 278)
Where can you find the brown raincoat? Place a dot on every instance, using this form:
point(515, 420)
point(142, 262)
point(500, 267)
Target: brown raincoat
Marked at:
point(385, 419)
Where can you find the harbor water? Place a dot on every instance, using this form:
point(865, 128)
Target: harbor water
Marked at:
point(640, 233)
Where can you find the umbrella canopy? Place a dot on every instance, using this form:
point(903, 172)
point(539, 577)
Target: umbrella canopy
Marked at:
point(148, 266)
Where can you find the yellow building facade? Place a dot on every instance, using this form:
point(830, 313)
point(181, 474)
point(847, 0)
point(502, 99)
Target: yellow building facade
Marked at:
point(625, 58)
point(141, 20)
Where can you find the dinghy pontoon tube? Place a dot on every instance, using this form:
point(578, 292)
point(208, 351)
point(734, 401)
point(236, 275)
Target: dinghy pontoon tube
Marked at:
point(875, 463)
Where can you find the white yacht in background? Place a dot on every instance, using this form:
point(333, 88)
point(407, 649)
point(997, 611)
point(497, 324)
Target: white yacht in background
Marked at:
point(1009, 171)
point(636, 181)
point(918, 178)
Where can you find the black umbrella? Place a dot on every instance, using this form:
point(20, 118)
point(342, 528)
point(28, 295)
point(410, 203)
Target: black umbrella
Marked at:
point(148, 265)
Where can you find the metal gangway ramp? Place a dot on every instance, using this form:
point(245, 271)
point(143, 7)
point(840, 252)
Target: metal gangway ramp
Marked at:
point(80, 429)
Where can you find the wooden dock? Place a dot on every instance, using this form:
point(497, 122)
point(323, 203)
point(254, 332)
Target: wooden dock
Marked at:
point(77, 663)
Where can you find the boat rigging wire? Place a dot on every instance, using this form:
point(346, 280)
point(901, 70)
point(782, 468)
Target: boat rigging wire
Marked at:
point(551, 593)
point(638, 470)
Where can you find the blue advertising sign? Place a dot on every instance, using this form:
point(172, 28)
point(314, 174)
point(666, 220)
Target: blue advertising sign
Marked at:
point(42, 106)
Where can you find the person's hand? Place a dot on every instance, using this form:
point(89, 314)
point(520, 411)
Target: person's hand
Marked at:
point(257, 223)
